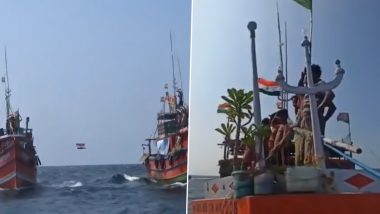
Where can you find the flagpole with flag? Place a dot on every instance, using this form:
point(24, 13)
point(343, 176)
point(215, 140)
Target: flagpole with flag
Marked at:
point(345, 117)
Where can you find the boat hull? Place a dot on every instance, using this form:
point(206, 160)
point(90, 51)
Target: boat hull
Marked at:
point(18, 168)
point(167, 169)
point(292, 203)
point(177, 172)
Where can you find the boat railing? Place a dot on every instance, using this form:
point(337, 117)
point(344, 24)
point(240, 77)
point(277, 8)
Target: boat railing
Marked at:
point(356, 162)
point(19, 131)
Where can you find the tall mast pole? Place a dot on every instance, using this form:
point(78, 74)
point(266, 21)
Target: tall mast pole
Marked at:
point(174, 82)
point(286, 65)
point(180, 74)
point(280, 46)
point(7, 90)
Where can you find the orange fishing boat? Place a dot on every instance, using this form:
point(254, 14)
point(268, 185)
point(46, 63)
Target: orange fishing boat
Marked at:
point(18, 157)
point(330, 183)
point(165, 154)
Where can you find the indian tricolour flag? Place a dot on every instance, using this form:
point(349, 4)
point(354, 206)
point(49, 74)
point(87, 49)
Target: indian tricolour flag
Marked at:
point(268, 87)
point(223, 108)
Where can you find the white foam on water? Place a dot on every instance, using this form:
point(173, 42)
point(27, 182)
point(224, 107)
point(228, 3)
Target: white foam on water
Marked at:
point(130, 178)
point(70, 184)
point(179, 184)
point(175, 185)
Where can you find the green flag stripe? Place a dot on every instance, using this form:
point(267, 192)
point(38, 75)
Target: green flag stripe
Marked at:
point(305, 3)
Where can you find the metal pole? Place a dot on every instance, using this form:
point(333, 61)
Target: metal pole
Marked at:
point(363, 166)
point(7, 90)
point(256, 104)
point(317, 139)
point(286, 65)
point(174, 82)
point(283, 93)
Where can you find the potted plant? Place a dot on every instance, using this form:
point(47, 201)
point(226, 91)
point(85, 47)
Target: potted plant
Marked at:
point(239, 109)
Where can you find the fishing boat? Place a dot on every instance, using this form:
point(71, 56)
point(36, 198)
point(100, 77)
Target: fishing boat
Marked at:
point(18, 157)
point(165, 153)
point(333, 182)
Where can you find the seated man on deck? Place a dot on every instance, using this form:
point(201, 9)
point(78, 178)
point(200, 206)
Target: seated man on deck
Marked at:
point(277, 143)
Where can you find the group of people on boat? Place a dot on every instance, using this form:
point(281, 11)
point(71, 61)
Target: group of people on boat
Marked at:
point(278, 146)
point(13, 123)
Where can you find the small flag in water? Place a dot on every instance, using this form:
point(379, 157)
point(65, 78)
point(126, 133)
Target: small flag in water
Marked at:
point(344, 117)
point(81, 146)
point(308, 4)
point(271, 88)
point(2, 79)
point(223, 108)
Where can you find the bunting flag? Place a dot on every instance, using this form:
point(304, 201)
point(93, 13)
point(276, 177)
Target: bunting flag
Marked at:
point(308, 4)
point(271, 88)
point(344, 117)
point(223, 108)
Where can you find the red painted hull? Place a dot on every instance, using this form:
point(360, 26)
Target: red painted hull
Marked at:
point(169, 170)
point(366, 203)
point(18, 168)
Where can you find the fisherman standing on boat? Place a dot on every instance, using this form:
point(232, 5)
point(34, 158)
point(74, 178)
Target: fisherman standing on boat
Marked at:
point(304, 150)
point(180, 98)
point(324, 99)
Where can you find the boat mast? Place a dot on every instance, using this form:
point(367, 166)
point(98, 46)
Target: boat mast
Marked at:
point(286, 66)
point(180, 74)
point(283, 93)
point(7, 90)
point(174, 82)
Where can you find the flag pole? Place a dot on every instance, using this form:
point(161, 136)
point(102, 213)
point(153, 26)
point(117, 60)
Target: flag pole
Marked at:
point(259, 148)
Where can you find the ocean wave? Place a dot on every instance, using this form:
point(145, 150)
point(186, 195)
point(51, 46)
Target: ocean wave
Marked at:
point(121, 178)
point(130, 178)
point(176, 185)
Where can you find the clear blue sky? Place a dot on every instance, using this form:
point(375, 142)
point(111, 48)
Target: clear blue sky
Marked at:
point(221, 59)
point(92, 71)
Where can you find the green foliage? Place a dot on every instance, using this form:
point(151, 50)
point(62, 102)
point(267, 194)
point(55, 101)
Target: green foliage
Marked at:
point(240, 106)
point(240, 103)
point(226, 130)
